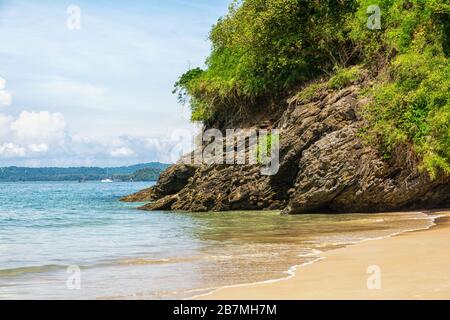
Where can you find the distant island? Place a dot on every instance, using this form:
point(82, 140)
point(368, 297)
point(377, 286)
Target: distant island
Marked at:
point(139, 172)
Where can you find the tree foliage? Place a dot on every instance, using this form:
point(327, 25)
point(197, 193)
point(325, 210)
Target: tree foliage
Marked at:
point(139, 172)
point(262, 48)
point(411, 99)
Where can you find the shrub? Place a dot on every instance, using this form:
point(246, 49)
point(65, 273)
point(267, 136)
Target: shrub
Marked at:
point(310, 91)
point(411, 98)
point(262, 48)
point(345, 77)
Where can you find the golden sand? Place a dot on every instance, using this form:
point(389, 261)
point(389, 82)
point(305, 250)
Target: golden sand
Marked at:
point(413, 265)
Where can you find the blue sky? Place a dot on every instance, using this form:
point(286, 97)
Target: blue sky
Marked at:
point(100, 95)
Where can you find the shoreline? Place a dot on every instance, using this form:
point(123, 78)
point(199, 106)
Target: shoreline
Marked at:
point(306, 281)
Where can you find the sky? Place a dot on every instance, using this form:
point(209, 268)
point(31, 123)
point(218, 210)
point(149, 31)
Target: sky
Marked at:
point(89, 83)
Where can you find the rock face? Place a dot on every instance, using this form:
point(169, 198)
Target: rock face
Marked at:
point(171, 181)
point(324, 167)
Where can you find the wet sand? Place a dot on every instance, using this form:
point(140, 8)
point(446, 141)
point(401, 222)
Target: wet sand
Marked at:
point(412, 265)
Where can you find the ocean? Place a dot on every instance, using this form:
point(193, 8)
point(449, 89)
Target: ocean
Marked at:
point(67, 240)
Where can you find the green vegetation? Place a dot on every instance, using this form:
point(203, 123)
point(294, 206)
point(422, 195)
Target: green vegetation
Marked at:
point(344, 77)
point(263, 49)
point(147, 174)
point(411, 99)
point(139, 172)
point(310, 92)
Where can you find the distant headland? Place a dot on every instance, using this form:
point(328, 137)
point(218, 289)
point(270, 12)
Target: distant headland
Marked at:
point(139, 172)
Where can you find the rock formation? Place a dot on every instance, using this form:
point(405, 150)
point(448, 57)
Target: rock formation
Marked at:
point(325, 166)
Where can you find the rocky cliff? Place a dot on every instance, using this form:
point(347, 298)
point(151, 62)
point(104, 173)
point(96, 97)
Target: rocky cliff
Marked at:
point(325, 166)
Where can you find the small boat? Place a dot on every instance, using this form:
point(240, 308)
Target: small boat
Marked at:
point(107, 181)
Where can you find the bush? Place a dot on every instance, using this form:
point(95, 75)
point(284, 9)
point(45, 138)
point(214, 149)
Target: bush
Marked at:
point(411, 99)
point(310, 91)
point(415, 107)
point(262, 48)
point(345, 77)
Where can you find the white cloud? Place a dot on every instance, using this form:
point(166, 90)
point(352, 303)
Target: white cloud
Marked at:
point(82, 150)
point(122, 152)
point(42, 147)
point(42, 139)
point(2, 83)
point(31, 133)
point(39, 127)
point(10, 150)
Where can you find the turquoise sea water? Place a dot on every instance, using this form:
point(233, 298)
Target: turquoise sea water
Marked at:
point(124, 253)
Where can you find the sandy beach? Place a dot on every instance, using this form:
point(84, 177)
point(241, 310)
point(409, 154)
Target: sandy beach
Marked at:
point(412, 265)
